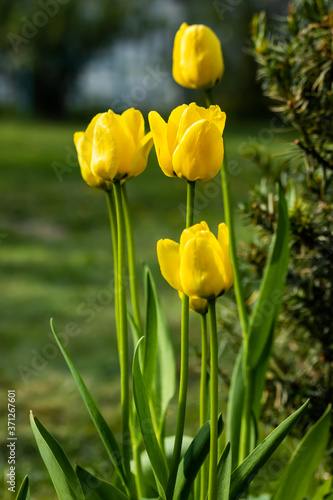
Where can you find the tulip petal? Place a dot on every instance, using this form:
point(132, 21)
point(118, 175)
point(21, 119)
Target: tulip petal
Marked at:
point(173, 125)
point(177, 70)
point(214, 115)
point(135, 123)
point(201, 270)
point(190, 232)
point(159, 131)
point(124, 143)
point(200, 152)
point(169, 261)
point(223, 239)
point(105, 159)
point(188, 118)
point(140, 157)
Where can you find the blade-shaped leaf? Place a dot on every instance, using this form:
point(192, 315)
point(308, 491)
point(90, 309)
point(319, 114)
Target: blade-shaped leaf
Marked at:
point(102, 427)
point(247, 470)
point(224, 474)
point(235, 406)
point(193, 459)
point(297, 475)
point(154, 451)
point(61, 472)
point(324, 491)
point(96, 489)
point(271, 291)
point(150, 353)
point(165, 374)
point(24, 491)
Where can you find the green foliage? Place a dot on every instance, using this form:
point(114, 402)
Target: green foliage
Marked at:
point(24, 491)
point(295, 68)
point(296, 477)
point(61, 472)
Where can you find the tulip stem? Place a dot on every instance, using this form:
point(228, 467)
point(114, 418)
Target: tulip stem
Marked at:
point(113, 227)
point(229, 219)
point(183, 361)
point(123, 338)
point(245, 432)
point(203, 400)
point(213, 400)
point(208, 97)
point(132, 261)
point(190, 203)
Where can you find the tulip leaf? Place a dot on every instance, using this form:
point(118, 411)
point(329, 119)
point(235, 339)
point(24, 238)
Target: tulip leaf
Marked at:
point(61, 472)
point(297, 476)
point(247, 470)
point(224, 474)
point(271, 291)
point(155, 454)
point(324, 491)
point(165, 373)
point(102, 427)
point(24, 491)
point(150, 352)
point(193, 459)
point(235, 406)
point(97, 489)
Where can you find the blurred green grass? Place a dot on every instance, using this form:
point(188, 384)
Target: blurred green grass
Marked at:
point(55, 254)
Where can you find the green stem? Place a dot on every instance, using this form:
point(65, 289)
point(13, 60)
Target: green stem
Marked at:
point(132, 261)
point(138, 472)
point(246, 427)
point(209, 97)
point(229, 219)
point(123, 338)
point(190, 203)
point(213, 400)
point(203, 400)
point(183, 362)
point(113, 227)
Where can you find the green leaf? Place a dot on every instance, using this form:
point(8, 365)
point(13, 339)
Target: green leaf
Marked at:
point(61, 472)
point(24, 491)
point(102, 427)
point(323, 490)
point(224, 474)
point(192, 461)
point(235, 406)
point(96, 489)
point(297, 475)
point(154, 451)
point(247, 470)
point(271, 291)
point(165, 374)
point(150, 352)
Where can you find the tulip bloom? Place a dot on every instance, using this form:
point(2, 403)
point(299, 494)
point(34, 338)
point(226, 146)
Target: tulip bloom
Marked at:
point(190, 145)
point(113, 148)
point(197, 57)
point(199, 265)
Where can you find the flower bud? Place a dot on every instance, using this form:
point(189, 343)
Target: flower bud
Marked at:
point(197, 57)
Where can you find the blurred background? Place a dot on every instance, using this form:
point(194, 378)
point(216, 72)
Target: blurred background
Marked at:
point(62, 61)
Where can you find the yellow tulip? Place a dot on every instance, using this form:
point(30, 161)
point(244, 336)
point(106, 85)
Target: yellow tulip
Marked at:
point(190, 145)
point(114, 147)
point(199, 265)
point(197, 57)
